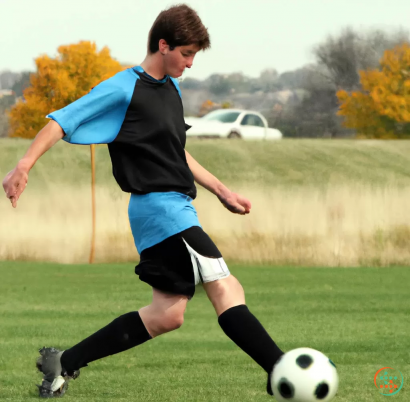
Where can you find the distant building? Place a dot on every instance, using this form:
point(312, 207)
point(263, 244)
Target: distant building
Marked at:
point(6, 92)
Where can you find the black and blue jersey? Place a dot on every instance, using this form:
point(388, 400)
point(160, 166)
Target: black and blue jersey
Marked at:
point(142, 121)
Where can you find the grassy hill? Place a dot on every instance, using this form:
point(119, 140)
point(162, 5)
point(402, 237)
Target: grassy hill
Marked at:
point(286, 163)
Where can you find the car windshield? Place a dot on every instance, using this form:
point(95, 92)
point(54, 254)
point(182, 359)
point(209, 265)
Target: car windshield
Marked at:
point(222, 115)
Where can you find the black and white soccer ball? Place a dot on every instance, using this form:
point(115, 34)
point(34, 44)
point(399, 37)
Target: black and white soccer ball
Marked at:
point(304, 375)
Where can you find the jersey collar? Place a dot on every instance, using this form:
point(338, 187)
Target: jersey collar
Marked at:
point(139, 69)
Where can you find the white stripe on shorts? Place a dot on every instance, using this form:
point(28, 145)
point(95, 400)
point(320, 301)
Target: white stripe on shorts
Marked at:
point(207, 269)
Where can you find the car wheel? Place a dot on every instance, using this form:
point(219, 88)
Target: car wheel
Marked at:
point(234, 136)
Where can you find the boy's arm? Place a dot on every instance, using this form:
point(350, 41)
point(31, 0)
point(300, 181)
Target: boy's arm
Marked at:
point(95, 118)
point(232, 201)
point(15, 181)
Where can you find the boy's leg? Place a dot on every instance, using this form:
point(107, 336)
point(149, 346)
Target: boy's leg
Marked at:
point(240, 325)
point(164, 314)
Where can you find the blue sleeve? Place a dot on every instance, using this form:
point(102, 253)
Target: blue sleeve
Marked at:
point(176, 84)
point(97, 117)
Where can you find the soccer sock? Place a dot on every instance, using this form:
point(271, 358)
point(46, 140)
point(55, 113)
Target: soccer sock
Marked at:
point(247, 332)
point(123, 333)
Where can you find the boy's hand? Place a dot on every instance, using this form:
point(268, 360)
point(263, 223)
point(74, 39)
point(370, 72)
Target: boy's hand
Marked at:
point(14, 184)
point(235, 203)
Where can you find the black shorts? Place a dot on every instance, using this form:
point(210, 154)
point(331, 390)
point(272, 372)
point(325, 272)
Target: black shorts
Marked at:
point(180, 262)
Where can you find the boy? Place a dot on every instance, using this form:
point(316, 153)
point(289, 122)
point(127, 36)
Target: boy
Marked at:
point(139, 114)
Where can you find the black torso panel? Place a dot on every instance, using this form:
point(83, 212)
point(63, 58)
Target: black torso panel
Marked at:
point(148, 153)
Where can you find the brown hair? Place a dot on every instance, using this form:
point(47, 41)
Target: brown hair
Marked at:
point(179, 25)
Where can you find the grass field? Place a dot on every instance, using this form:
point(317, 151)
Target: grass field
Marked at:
point(358, 317)
point(315, 202)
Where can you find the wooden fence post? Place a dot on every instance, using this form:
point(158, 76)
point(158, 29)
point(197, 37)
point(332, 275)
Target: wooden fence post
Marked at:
point(92, 251)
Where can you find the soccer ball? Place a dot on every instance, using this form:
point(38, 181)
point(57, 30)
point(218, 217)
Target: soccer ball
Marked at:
point(304, 375)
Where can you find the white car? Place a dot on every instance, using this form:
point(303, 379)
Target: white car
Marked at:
point(232, 123)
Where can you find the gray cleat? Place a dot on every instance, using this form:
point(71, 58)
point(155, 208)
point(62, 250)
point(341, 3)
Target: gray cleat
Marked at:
point(55, 380)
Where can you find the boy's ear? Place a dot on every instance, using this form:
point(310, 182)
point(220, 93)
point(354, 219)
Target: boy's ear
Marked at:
point(161, 45)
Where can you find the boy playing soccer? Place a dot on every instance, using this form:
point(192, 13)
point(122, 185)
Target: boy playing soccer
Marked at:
point(139, 114)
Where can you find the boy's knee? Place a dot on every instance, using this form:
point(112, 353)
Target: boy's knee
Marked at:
point(227, 287)
point(171, 322)
point(225, 293)
point(166, 322)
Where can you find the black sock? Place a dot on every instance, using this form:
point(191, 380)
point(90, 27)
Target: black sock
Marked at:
point(247, 332)
point(123, 333)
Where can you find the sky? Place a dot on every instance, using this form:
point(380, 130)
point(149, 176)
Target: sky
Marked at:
point(246, 35)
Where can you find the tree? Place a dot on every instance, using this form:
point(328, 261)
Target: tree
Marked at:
point(381, 109)
point(309, 77)
point(5, 103)
point(190, 83)
point(266, 82)
point(224, 84)
point(218, 84)
point(22, 83)
point(343, 56)
point(8, 78)
point(59, 82)
point(4, 125)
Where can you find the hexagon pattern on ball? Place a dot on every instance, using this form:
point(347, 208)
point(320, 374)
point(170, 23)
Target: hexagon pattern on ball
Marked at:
point(304, 375)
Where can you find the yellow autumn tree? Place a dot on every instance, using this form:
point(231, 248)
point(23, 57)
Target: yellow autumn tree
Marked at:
point(381, 109)
point(58, 82)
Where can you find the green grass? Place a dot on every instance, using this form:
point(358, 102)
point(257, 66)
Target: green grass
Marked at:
point(358, 317)
point(286, 163)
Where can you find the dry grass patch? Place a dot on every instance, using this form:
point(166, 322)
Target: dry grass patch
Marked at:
point(344, 226)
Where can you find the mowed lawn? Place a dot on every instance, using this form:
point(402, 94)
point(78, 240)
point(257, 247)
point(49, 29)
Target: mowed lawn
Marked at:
point(358, 317)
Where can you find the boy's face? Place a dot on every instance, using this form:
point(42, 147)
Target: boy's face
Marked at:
point(177, 60)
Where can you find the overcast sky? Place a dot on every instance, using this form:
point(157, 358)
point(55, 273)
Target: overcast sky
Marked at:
point(246, 35)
